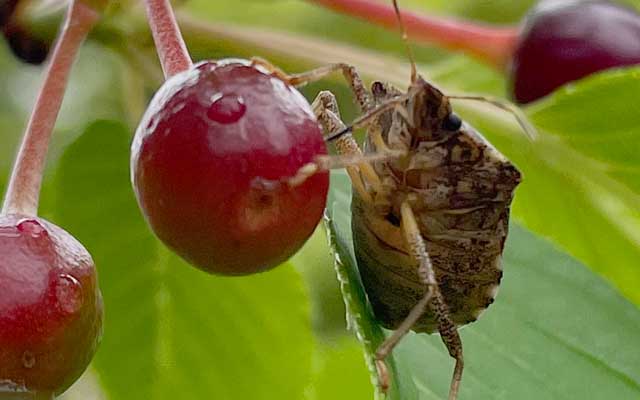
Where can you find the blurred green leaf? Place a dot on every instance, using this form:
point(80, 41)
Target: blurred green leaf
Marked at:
point(171, 331)
point(493, 11)
point(556, 331)
point(340, 372)
point(311, 19)
point(327, 308)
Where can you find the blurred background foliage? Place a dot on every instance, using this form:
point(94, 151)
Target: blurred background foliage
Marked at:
point(173, 332)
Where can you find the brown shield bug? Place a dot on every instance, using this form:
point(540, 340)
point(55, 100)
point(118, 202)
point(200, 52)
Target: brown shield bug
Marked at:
point(430, 207)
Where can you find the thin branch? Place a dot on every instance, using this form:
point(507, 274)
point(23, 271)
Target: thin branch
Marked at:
point(492, 45)
point(170, 45)
point(24, 186)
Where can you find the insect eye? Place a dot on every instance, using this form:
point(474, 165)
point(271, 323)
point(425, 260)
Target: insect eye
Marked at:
point(452, 123)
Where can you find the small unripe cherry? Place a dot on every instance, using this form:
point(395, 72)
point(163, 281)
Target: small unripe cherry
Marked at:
point(50, 306)
point(210, 163)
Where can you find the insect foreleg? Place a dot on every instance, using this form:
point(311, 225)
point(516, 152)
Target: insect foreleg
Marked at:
point(360, 92)
point(418, 250)
point(326, 109)
point(362, 95)
point(451, 338)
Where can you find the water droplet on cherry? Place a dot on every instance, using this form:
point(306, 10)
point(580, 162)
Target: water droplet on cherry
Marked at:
point(69, 293)
point(226, 108)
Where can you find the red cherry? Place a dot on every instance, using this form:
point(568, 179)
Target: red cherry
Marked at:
point(210, 161)
point(50, 306)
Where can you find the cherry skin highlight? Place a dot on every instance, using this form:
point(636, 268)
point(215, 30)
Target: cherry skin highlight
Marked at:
point(566, 41)
point(210, 163)
point(50, 306)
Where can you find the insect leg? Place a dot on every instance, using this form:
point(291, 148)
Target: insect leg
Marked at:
point(448, 330)
point(357, 165)
point(418, 249)
point(432, 299)
point(362, 95)
point(326, 109)
point(451, 338)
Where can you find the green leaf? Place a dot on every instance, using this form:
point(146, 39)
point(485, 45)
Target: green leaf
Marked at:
point(339, 372)
point(171, 331)
point(556, 331)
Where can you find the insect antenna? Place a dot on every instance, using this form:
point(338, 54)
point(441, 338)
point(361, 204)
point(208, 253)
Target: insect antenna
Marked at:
point(405, 39)
point(529, 130)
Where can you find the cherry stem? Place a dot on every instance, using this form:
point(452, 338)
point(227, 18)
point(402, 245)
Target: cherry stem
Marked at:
point(491, 45)
point(170, 45)
point(26, 179)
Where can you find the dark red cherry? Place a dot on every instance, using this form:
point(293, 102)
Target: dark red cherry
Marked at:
point(567, 40)
point(210, 163)
point(50, 307)
point(26, 46)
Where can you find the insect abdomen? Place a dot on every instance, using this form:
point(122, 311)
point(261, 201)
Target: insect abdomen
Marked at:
point(467, 269)
point(388, 273)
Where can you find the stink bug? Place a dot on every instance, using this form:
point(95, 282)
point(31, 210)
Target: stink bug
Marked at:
point(430, 207)
point(430, 204)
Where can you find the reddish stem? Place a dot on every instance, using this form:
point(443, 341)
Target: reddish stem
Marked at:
point(492, 45)
point(26, 179)
point(171, 48)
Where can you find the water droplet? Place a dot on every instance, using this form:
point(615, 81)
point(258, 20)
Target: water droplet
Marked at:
point(28, 359)
point(226, 108)
point(69, 294)
point(32, 228)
